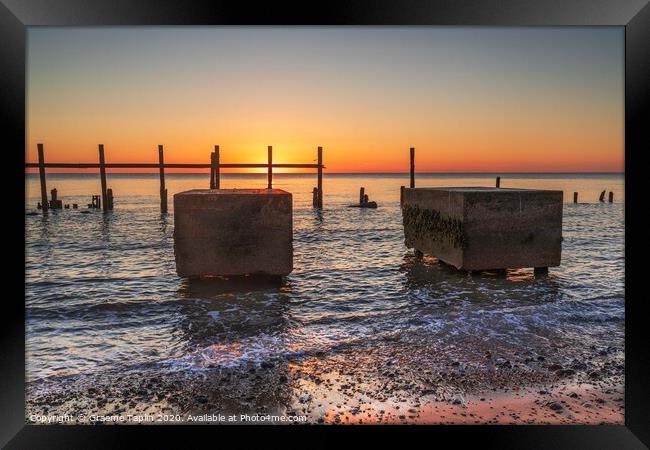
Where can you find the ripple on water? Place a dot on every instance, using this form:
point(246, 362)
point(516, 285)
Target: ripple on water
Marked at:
point(102, 293)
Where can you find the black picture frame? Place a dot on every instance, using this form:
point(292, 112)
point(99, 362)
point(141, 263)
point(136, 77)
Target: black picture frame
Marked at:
point(634, 15)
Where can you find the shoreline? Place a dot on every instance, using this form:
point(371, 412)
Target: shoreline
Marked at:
point(367, 387)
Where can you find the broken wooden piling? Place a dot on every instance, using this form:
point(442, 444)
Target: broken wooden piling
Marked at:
point(320, 178)
point(55, 203)
point(214, 167)
point(364, 200)
point(611, 197)
point(575, 197)
point(95, 202)
point(217, 171)
point(161, 170)
point(109, 199)
point(41, 172)
point(102, 174)
point(270, 168)
point(602, 197)
point(498, 182)
point(412, 167)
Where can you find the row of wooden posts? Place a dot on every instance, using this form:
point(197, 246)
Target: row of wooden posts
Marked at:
point(215, 167)
point(600, 199)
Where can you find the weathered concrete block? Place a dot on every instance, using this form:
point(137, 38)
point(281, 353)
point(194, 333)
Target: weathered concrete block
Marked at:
point(476, 228)
point(230, 232)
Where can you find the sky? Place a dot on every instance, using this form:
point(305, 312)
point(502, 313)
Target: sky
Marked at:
point(469, 99)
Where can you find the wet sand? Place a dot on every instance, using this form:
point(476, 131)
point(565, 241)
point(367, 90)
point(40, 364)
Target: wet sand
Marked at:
point(360, 386)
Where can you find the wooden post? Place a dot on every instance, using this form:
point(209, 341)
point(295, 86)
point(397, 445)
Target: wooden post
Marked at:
point(41, 171)
point(161, 169)
point(109, 199)
point(320, 178)
point(217, 170)
point(602, 197)
point(611, 197)
point(102, 174)
point(401, 195)
point(412, 167)
point(55, 203)
point(498, 182)
point(361, 192)
point(270, 168)
point(212, 171)
point(575, 197)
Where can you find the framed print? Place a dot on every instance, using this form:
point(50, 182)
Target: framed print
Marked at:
point(418, 218)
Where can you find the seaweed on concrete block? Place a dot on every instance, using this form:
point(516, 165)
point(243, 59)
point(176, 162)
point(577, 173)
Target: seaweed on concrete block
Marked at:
point(430, 224)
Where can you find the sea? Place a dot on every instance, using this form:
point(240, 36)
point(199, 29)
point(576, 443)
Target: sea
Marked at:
point(102, 295)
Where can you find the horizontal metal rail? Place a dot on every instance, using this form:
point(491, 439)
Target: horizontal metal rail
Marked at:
point(172, 165)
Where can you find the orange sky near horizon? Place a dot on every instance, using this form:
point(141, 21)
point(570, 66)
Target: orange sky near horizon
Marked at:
point(468, 102)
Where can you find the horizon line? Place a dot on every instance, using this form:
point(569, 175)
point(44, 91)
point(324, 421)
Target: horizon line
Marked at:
point(153, 172)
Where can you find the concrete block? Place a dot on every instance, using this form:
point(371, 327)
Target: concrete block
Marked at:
point(232, 232)
point(478, 228)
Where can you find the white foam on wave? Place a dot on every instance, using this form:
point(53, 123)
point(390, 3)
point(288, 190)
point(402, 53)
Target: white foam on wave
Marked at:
point(264, 347)
point(253, 350)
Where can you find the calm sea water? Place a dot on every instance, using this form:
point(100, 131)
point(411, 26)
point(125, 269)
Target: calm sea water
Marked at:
point(102, 294)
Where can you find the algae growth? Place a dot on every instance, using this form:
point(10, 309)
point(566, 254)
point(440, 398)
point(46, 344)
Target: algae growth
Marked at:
point(430, 224)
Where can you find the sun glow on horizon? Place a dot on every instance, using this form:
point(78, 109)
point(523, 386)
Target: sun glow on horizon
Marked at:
point(468, 99)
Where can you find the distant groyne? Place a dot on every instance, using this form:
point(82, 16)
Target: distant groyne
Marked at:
point(215, 165)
